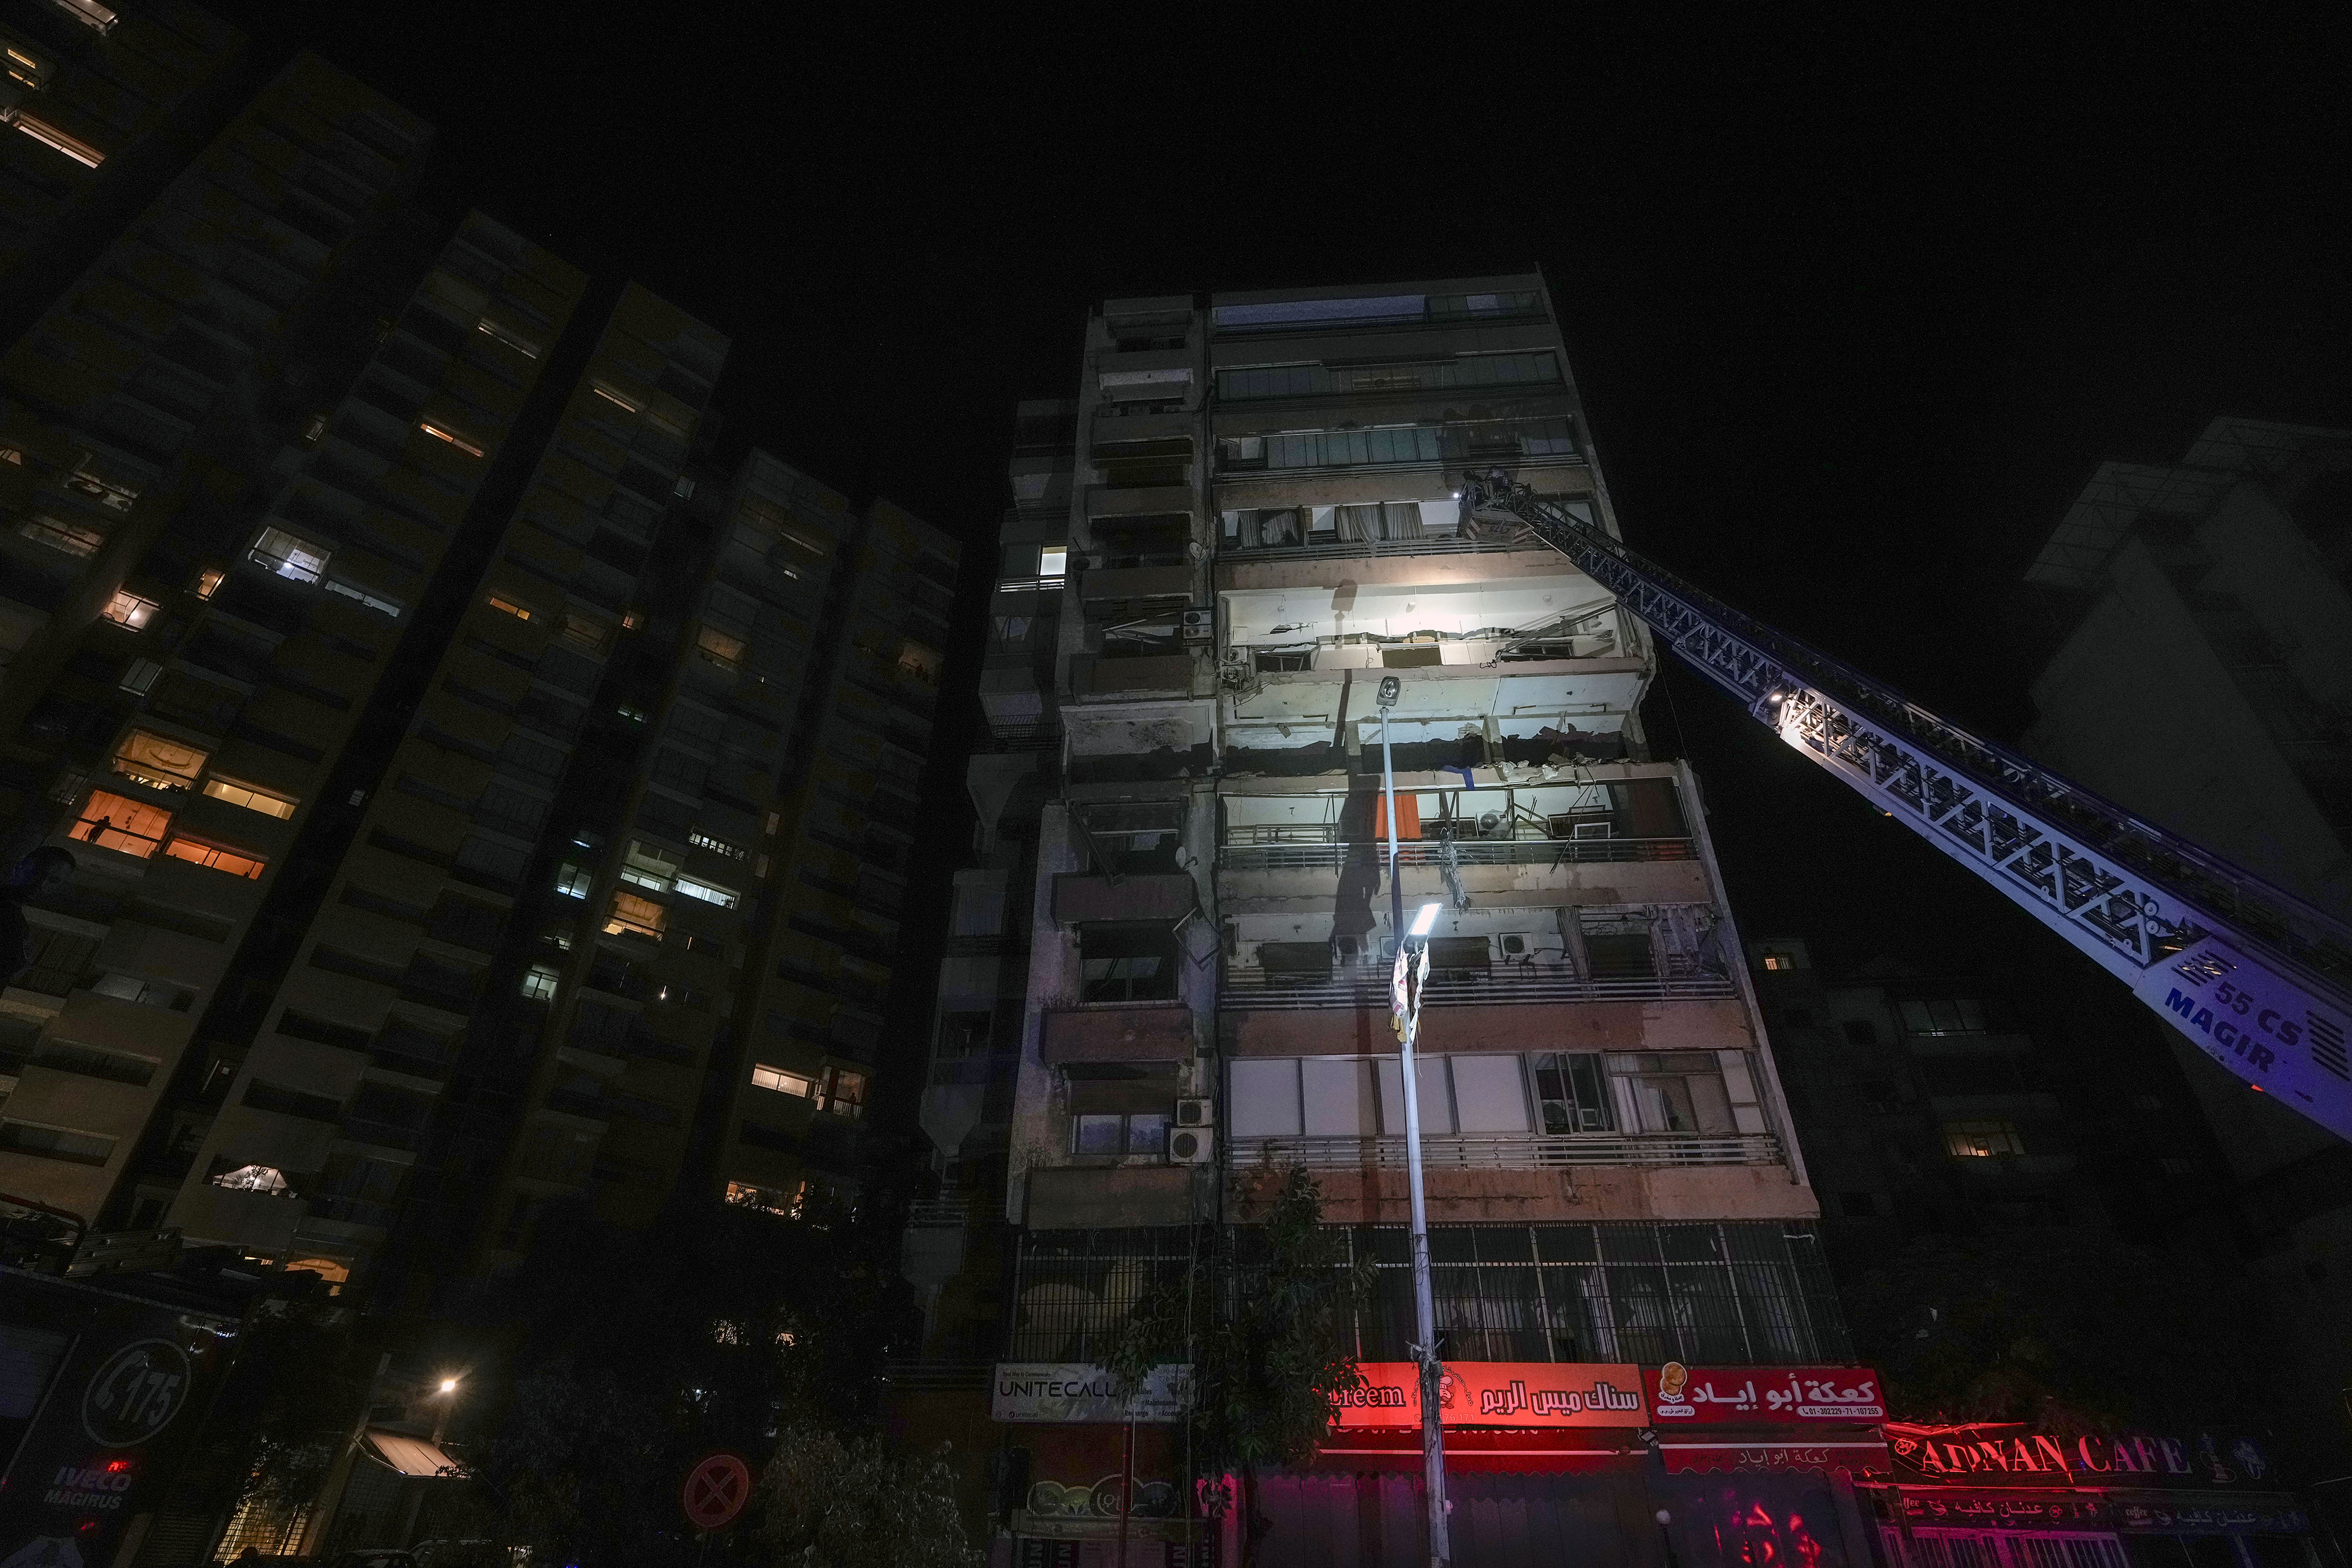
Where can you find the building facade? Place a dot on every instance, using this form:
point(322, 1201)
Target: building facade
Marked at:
point(2204, 677)
point(484, 799)
point(1243, 521)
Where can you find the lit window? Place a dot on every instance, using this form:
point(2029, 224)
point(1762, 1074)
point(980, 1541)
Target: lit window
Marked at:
point(334, 1275)
point(709, 893)
point(721, 648)
point(49, 135)
point(214, 857)
point(539, 983)
point(767, 1199)
point(376, 602)
point(70, 538)
point(140, 677)
point(648, 865)
point(715, 846)
point(631, 621)
point(511, 607)
point(158, 761)
point(783, 1082)
point(685, 487)
point(573, 880)
point(1981, 1140)
point(775, 820)
point(29, 69)
point(844, 1093)
point(252, 1178)
point(208, 581)
point(118, 822)
point(10, 455)
point(584, 633)
point(287, 555)
point(635, 916)
point(512, 339)
point(316, 430)
point(605, 391)
point(88, 12)
point(1052, 560)
point(252, 797)
point(127, 609)
point(442, 432)
point(920, 662)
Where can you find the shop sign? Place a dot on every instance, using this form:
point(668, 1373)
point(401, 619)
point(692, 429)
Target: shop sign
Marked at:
point(1498, 1394)
point(1752, 1397)
point(1854, 1456)
point(1077, 1393)
point(2014, 1454)
point(2254, 1516)
point(1952, 1510)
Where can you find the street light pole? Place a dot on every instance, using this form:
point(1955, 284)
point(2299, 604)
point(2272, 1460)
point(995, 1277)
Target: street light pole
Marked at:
point(1405, 994)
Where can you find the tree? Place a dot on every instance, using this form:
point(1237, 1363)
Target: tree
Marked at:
point(291, 1403)
point(858, 1503)
point(1266, 1316)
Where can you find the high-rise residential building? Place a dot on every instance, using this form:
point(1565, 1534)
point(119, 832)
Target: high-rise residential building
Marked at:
point(483, 798)
point(2203, 678)
point(1245, 521)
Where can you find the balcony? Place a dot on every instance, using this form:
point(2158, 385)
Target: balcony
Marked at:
point(1505, 1151)
point(1288, 847)
point(1366, 985)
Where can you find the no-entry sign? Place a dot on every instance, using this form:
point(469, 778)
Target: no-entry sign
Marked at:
point(716, 1491)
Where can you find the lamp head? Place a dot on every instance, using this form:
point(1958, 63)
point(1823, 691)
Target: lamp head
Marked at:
point(1390, 689)
point(448, 1385)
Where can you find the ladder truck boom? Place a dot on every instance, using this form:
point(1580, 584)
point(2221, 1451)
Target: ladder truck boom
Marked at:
point(2258, 979)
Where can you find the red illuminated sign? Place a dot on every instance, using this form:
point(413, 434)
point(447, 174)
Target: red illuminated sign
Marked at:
point(1681, 1396)
point(1499, 1394)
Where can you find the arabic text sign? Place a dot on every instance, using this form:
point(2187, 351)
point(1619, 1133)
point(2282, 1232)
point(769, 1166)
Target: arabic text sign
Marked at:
point(1499, 1394)
point(1763, 1396)
point(1077, 1392)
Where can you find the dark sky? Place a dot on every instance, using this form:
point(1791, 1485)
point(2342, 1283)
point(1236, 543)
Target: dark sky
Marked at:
point(1855, 311)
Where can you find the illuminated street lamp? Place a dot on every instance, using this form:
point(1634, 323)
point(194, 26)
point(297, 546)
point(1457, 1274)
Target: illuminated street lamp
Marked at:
point(1404, 995)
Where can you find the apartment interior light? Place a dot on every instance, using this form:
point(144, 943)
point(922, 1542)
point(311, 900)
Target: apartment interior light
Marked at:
point(1426, 921)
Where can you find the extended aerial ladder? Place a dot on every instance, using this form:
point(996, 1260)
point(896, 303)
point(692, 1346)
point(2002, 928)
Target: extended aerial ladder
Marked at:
point(2257, 980)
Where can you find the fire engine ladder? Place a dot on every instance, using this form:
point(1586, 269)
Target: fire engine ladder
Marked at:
point(2256, 979)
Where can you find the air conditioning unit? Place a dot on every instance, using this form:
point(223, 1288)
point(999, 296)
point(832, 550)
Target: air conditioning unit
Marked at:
point(1200, 625)
point(1191, 1146)
point(1196, 1112)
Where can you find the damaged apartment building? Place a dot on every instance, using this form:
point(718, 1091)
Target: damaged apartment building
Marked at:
point(1169, 976)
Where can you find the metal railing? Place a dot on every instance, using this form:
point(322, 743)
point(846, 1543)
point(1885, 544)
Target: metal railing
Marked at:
point(1249, 989)
point(1505, 1151)
point(1496, 541)
point(1276, 854)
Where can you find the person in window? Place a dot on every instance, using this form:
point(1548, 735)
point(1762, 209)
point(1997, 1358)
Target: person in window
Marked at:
point(44, 871)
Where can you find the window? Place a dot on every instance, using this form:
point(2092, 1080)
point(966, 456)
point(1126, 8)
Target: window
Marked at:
point(587, 635)
point(208, 581)
point(919, 661)
point(648, 865)
point(253, 1178)
point(845, 1092)
point(767, 1199)
point(1617, 945)
point(702, 841)
point(709, 893)
point(442, 432)
point(539, 982)
point(1982, 1140)
point(1052, 560)
point(1134, 1133)
point(140, 677)
point(1569, 1094)
point(55, 1144)
point(216, 857)
point(510, 607)
point(635, 917)
point(90, 14)
point(111, 493)
point(287, 555)
point(573, 880)
point(158, 761)
point(1956, 1015)
point(1126, 962)
point(117, 823)
point(390, 608)
point(721, 648)
point(606, 391)
point(72, 538)
point(1671, 1092)
point(512, 339)
point(783, 1082)
point(49, 136)
point(127, 609)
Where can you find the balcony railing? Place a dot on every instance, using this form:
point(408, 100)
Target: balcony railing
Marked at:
point(1506, 1151)
point(1281, 849)
point(1367, 986)
point(1495, 543)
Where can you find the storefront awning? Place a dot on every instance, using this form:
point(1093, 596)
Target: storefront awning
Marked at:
point(413, 1455)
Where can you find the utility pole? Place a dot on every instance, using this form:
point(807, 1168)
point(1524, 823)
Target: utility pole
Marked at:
point(1411, 969)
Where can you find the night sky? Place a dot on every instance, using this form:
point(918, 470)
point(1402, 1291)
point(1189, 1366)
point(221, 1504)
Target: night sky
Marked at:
point(1854, 312)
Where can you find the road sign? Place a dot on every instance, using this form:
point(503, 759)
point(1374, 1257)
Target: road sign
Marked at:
point(715, 1492)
